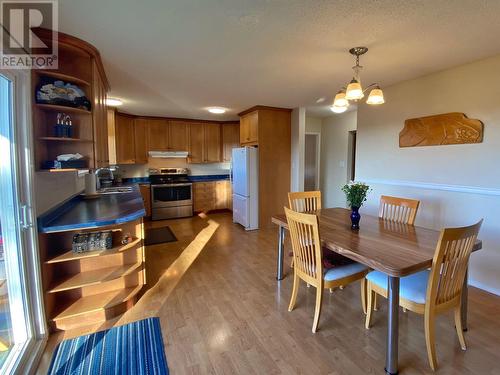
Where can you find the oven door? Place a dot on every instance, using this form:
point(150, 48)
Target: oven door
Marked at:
point(171, 195)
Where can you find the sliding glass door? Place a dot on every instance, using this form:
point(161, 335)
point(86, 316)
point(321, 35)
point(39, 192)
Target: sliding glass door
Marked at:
point(21, 328)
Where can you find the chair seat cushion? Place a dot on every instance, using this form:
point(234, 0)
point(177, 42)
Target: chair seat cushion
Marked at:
point(412, 287)
point(341, 271)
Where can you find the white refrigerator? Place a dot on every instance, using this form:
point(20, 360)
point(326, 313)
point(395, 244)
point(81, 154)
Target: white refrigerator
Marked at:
point(246, 187)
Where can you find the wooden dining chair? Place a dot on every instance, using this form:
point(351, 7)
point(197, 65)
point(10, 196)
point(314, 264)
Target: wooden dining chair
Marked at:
point(305, 201)
point(400, 210)
point(434, 291)
point(397, 210)
point(307, 255)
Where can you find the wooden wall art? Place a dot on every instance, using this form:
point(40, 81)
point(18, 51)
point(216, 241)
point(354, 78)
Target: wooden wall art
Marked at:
point(445, 129)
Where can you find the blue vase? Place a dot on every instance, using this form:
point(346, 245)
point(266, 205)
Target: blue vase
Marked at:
point(355, 218)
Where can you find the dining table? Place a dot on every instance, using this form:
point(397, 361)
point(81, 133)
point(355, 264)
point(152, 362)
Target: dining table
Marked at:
point(396, 249)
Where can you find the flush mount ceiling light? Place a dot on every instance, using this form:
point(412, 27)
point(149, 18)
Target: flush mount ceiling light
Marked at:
point(338, 109)
point(354, 90)
point(113, 102)
point(216, 110)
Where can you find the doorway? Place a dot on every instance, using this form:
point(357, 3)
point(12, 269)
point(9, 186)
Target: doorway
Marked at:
point(311, 161)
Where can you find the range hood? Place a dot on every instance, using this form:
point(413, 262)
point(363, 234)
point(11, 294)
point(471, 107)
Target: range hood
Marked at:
point(168, 154)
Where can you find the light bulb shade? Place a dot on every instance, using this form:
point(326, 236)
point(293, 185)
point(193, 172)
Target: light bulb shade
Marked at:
point(376, 97)
point(354, 91)
point(336, 109)
point(340, 100)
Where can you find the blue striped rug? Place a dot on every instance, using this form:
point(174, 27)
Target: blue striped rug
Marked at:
point(135, 348)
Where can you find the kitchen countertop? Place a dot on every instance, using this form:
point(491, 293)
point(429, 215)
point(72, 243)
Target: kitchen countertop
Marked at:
point(108, 209)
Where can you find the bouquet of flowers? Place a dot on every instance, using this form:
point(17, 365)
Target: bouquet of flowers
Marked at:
point(356, 193)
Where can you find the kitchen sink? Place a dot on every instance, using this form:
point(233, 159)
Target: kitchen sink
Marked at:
point(115, 190)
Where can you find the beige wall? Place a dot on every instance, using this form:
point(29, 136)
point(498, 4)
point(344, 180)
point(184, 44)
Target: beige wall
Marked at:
point(457, 184)
point(334, 157)
point(52, 188)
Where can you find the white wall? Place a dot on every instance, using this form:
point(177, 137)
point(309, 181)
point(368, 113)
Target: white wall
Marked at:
point(313, 124)
point(298, 127)
point(457, 184)
point(334, 157)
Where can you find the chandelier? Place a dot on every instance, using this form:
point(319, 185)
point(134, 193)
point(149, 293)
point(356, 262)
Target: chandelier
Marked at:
point(354, 91)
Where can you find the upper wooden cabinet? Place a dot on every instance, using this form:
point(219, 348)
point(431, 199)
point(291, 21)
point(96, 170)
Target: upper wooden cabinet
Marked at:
point(124, 136)
point(249, 128)
point(196, 143)
point(141, 141)
point(79, 63)
point(178, 136)
point(230, 140)
point(100, 119)
point(204, 143)
point(157, 134)
point(212, 142)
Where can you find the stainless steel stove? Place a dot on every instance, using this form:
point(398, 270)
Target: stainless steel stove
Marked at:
point(171, 193)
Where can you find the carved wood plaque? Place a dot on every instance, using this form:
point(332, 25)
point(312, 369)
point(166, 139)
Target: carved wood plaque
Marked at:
point(446, 129)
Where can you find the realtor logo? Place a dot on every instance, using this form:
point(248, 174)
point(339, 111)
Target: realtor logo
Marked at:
point(28, 34)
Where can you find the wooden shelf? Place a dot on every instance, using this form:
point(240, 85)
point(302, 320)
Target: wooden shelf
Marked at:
point(61, 108)
point(98, 302)
point(94, 277)
point(70, 255)
point(61, 76)
point(64, 139)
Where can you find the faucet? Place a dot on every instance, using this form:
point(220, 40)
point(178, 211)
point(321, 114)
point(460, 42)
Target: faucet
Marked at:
point(109, 176)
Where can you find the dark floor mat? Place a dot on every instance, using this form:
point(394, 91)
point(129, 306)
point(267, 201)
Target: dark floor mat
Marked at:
point(159, 235)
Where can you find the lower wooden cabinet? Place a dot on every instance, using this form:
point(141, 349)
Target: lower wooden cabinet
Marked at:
point(212, 195)
point(146, 197)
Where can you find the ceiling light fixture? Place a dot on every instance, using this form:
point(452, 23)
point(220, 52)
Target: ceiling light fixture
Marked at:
point(216, 110)
point(354, 90)
point(337, 109)
point(113, 102)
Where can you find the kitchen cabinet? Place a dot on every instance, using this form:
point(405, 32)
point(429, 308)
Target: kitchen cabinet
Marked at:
point(178, 133)
point(111, 136)
point(125, 134)
point(212, 195)
point(141, 141)
point(157, 130)
point(249, 128)
point(230, 140)
point(100, 119)
point(204, 143)
point(212, 142)
point(146, 197)
point(196, 143)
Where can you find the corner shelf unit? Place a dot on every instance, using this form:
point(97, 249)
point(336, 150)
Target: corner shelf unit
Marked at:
point(87, 288)
point(79, 63)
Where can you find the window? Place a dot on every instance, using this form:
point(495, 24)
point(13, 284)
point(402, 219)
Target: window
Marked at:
point(21, 328)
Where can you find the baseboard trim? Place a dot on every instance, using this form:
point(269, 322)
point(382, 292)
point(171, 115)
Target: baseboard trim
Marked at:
point(433, 186)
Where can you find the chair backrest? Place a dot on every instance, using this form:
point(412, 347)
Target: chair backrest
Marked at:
point(450, 262)
point(305, 201)
point(400, 210)
point(306, 245)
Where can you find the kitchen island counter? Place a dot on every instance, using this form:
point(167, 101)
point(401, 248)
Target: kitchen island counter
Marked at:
point(80, 213)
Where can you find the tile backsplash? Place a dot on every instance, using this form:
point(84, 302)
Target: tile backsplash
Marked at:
point(141, 170)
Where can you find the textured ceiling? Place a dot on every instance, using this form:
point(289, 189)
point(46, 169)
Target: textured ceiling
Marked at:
point(177, 57)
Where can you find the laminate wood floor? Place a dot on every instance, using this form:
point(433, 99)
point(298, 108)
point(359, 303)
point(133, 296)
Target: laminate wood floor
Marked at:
point(223, 312)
